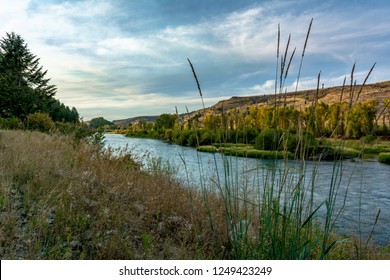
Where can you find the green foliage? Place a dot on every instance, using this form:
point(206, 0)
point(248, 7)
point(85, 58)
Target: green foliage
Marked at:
point(166, 121)
point(75, 130)
point(268, 139)
point(384, 158)
point(212, 122)
point(10, 123)
point(24, 87)
point(23, 84)
point(97, 139)
point(99, 122)
point(369, 139)
point(61, 113)
point(361, 119)
point(207, 149)
point(40, 121)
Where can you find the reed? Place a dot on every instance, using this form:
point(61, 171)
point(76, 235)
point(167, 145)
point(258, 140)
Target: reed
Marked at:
point(303, 54)
point(275, 215)
point(277, 63)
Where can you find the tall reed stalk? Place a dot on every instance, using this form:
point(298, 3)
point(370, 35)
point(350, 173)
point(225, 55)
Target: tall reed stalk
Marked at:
point(270, 211)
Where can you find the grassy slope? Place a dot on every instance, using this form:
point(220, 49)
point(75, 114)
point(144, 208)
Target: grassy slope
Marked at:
point(59, 200)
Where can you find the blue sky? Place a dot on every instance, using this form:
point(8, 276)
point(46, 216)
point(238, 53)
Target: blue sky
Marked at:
point(119, 59)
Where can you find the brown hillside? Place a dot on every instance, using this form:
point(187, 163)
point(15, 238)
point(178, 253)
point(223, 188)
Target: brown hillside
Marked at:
point(376, 91)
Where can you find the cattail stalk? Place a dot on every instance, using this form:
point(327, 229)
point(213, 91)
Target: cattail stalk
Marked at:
point(277, 63)
point(342, 89)
point(351, 89)
point(303, 54)
point(283, 64)
point(197, 83)
point(365, 80)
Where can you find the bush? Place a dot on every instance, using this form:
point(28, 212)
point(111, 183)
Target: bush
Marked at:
point(368, 139)
point(97, 139)
point(384, 158)
point(206, 137)
point(168, 135)
point(40, 121)
point(10, 123)
point(250, 135)
point(268, 140)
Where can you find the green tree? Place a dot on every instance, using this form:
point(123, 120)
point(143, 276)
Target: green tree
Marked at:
point(212, 122)
point(361, 119)
point(337, 118)
point(24, 88)
point(166, 121)
point(321, 117)
point(99, 122)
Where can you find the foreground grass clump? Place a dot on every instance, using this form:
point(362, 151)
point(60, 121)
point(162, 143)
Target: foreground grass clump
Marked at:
point(61, 199)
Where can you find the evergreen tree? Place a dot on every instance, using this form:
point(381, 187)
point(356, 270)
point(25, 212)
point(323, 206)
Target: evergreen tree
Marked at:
point(24, 89)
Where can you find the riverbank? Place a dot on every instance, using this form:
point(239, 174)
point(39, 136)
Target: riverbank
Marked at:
point(65, 200)
point(332, 150)
point(327, 149)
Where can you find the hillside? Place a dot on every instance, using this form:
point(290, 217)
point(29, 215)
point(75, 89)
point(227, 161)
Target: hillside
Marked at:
point(376, 91)
point(301, 99)
point(126, 122)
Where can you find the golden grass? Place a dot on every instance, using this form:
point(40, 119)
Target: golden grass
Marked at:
point(65, 201)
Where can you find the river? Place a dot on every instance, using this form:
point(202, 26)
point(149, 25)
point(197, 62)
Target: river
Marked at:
point(367, 184)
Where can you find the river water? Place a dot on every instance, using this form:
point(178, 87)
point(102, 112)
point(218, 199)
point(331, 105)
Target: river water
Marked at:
point(366, 184)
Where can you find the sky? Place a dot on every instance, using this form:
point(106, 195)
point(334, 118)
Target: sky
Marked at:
point(124, 58)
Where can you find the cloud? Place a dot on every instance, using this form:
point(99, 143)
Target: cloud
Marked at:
point(129, 54)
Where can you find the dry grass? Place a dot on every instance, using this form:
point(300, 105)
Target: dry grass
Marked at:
point(61, 201)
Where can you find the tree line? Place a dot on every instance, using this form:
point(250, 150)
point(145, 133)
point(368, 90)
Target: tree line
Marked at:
point(24, 88)
point(317, 121)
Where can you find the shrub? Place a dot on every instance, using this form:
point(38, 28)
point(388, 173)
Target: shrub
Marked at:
point(206, 137)
point(268, 139)
point(368, 139)
point(250, 135)
point(192, 139)
point(40, 121)
point(384, 158)
point(168, 135)
point(10, 123)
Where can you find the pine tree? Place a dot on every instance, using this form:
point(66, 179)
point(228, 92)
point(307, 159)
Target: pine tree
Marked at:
point(24, 89)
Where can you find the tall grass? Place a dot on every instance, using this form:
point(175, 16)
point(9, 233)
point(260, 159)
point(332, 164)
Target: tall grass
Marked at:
point(66, 200)
point(273, 215)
